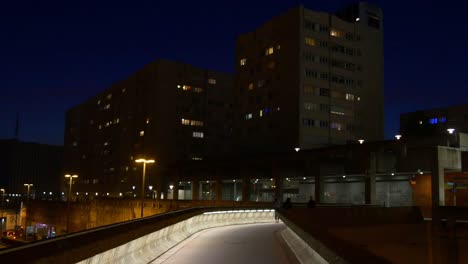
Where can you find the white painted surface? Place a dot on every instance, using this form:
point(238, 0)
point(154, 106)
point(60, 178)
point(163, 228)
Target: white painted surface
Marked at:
point(239, 244)
point(145, 249)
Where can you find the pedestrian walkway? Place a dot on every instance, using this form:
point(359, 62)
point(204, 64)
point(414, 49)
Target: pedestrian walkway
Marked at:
point(253, 243)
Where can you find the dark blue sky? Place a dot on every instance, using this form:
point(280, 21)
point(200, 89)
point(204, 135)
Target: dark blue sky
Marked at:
point(55, 54)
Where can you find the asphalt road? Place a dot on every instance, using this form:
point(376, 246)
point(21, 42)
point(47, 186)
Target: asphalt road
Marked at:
point(239, 244)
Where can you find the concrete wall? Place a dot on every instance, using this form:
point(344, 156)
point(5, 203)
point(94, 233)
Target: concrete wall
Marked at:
point(95, 213)
point(147, 248)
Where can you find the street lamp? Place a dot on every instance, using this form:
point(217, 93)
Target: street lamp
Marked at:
point(28, 210)
point(397, 137)
point(69, 198)
point(451, 131)
point(361, 141)
point(3, 200)
point(71, 182)
point(144, 161)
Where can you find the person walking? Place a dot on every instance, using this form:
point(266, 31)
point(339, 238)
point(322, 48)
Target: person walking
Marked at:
point(276, 206)
point(311, 203)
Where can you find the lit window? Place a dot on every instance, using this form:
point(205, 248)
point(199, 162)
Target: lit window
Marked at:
point(442, 119)
point(117, 120)
point(197, 158)
point(147, 120)
point(310, 41)
point(251, 86)
point(337, 126)
point(186, 87)
point(142, 133)
point(336, 33)
point(248, 116)
point(123, 90)
point(278, 47)
point(109, 96)
point(75, 144)
point(433, 121)
point(350, 97)
point(261, 113)
point(106, 143)
point(212, 81)
point(107, 106)
point(269, 51)
point(91, 122)
point(197, 134)
point(185, 121)
point(243, 61)
point(100, 127)
point(197, 89)
point(179, 86)
point(99, 102)
point(196, 123)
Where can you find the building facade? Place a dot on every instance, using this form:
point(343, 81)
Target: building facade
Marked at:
point(30, 163)
point(308, 79)
point(167, 111)
point(433, 125)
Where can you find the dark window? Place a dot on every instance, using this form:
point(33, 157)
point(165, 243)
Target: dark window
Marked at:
point(373, 21)
point(324, 92)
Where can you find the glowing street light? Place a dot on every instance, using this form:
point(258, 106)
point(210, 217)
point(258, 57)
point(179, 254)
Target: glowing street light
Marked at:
point(3, 199)
point(397, 137)
point(144, 161)
point(27, 201)
point(361, 141)
point(450, 130)
point(71, 177)
point(297, 149)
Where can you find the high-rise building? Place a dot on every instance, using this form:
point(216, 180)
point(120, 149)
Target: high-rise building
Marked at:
point(167, 111)
point(308, 79)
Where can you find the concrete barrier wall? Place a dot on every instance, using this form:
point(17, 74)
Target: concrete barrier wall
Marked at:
point(149, 247)
point(88, 214)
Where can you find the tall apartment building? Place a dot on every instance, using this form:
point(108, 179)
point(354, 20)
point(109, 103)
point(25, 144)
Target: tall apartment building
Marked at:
point(307, 79)
point(167, 111)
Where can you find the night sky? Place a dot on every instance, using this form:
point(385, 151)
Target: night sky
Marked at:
point(56, 54)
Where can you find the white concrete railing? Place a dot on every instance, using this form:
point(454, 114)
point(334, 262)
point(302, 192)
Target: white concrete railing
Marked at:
point(147, 248)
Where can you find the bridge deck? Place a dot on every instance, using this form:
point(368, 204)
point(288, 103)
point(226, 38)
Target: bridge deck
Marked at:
point(253, 243)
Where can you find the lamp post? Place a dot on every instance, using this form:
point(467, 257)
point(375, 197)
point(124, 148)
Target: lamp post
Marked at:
point(69, 198)
point(451, 131)
point(3, 200)
point(144, 161)
point(28, 210)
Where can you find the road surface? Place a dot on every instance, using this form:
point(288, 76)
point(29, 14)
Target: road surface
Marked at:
point(239, 244)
